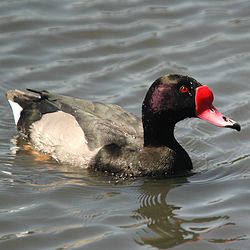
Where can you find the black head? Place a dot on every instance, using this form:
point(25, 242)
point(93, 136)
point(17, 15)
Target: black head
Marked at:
point(172, 98)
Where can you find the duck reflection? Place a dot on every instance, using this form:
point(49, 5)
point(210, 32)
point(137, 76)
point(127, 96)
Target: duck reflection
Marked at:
point(164, 229)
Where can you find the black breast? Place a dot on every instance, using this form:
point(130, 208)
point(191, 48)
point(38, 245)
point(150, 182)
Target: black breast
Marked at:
point(148, 161)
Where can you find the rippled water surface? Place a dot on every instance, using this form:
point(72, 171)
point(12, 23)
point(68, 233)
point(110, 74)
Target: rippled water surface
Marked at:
point(111, 51)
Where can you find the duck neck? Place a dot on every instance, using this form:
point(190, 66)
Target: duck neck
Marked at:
point(158, 133)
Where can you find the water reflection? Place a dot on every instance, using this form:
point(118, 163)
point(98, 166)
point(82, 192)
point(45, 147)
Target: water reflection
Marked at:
point(164, 229)
point(188, 213)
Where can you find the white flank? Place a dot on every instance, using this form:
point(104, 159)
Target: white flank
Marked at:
point(60, 135)
point(16, 109)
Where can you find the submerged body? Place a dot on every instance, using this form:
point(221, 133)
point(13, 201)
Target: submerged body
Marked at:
point(106, 137)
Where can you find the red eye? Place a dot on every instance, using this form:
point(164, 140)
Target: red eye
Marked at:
point(183, 89)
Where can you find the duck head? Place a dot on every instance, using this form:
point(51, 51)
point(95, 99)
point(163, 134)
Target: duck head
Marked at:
point(172, 98)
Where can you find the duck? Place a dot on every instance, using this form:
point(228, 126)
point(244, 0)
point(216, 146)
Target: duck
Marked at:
point(106, 137)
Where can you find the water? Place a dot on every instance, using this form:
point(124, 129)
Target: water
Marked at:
point(112, 51)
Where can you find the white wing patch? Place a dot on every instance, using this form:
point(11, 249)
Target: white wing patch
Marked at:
point(60, 135)
point(16, 109)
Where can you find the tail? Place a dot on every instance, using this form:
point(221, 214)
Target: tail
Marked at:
point(28, 106)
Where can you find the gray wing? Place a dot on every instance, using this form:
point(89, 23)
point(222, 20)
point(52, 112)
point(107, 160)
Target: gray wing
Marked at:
point(104, 123)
